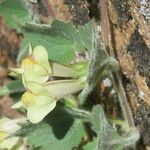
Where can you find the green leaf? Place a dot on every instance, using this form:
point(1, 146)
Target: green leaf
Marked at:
point(59, 130)
point(97, 118)
point(86, 36)
point(13, 87)
point(59, 49)
point(13, 11)
point(81, 36)
point(107, 137)
point(92, 145)
point(60, 39)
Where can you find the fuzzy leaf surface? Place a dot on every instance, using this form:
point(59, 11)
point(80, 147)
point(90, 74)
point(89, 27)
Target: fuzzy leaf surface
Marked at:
point(59, 130)
point(107, 137)
point(60, 39)
point(92, 145)
point(14, 11)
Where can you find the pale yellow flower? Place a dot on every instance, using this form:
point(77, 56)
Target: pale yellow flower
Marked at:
point(8, 127)
point(35, 67)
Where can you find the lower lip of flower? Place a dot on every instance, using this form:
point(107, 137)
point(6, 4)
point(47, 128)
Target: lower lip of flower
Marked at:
point(27, 99)
point(27, 63)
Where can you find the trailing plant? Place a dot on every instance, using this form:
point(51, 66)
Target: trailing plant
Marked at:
point(54, 82)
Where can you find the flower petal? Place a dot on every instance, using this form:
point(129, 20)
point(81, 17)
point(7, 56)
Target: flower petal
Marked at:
point(28, 99)
point(30, 49)
point(41, 57)
point(10, 126)
point(13, 74)
point(33, 77)
point(17, 70)
point(3, 121)
point(24, 81)
point(42, 106)
point(3, 135)
point(17, 105)
point(36, 74)
point(61, 70)
point(27, 64)
point(62, 88)
point(9, 143)
point(37, 88)
point(38, 69)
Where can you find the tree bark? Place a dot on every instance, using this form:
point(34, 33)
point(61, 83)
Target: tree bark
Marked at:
point(130, 33)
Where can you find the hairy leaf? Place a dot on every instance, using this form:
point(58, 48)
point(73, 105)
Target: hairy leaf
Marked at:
point(60, 39)
point(58, 131)
point(107, 137)
point(13, 11)
point(80, 36)
point(96, 118)
point(92, 145)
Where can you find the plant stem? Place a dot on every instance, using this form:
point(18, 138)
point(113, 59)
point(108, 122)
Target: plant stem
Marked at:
point(126, 110)
point(78, 113)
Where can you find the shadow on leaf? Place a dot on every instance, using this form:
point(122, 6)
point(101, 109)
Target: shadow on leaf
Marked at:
point(60, 122)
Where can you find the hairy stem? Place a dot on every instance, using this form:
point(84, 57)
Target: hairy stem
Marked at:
point(126, 110)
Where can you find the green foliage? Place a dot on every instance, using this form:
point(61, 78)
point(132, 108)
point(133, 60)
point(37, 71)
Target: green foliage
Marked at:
point(101, 64)
point(107, 137)
point(96, 118)
point(58, 131)
point(63, 128)
point(60, 39)
point(13, 87)
point(92, 145)
point(80, 36)
point(13, 11)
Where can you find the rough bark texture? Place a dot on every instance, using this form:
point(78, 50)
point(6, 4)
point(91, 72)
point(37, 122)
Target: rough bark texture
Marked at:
point(131, 42)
